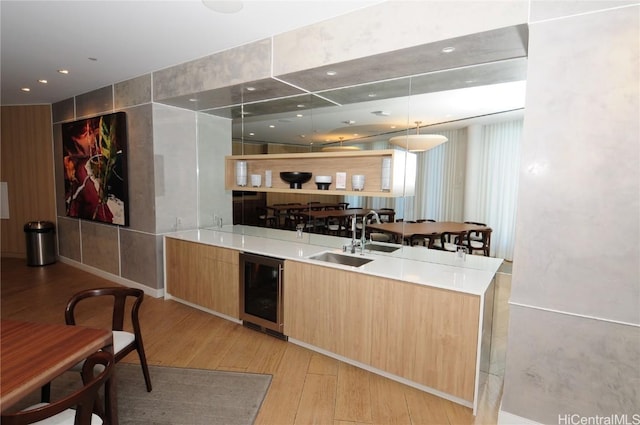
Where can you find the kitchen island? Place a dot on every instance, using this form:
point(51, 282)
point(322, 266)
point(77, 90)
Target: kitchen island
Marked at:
point(418, 316)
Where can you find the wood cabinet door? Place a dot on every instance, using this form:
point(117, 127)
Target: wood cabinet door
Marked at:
point(204, 275)
point(328, 308)
point(428, 335)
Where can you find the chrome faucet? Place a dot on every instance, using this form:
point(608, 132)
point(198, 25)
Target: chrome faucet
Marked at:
point(354, 241)
point(363, 237)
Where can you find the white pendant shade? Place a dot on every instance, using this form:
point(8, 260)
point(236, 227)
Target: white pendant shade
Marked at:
point(418, 142)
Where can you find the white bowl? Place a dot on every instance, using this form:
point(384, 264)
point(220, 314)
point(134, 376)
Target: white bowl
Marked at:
point(323, 179)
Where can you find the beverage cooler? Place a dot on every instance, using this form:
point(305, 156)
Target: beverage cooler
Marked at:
point(261, 283)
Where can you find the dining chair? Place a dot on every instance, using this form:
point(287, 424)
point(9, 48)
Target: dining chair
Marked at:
point(481, 242)
point(291, 219)
point(82, 407)
point(124, 342)
point(387, 215)
point(281, 215)
point(424, 239)
point(266, 218)
point(449, 241)
point(476, 236)
point(337, 225)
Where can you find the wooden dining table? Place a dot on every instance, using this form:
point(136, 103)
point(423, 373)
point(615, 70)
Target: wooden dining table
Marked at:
point(33, 354)
point(358, 212)
point(303, 207)
point(407, 230)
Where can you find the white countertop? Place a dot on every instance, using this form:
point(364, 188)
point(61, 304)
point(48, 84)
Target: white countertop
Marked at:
point(411, 264)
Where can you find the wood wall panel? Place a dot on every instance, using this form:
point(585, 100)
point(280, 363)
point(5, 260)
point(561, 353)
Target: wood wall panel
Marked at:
point(27, 166)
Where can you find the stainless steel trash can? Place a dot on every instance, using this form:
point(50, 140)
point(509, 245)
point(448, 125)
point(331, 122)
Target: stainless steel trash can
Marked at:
point(41, 243)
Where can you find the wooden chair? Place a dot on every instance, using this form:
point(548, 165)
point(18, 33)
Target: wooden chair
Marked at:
point(337, 225)
point(281, 215)
point(449, 241)
point(291, 217)
point(124, 342)
point(481, 241)
point(85, 400)
point(476, 236)
point(427, 240)
point(266, 218)
point(387, 215)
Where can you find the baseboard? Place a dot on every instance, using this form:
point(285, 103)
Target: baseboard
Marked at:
point(506, 418)
point(155, 293)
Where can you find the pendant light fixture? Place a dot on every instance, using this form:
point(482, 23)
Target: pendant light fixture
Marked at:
point(418, 142)
point(340, 148)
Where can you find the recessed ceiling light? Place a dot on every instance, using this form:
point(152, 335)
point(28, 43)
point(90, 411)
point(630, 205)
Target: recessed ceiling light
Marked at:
point(372, 95)
point(381, 113)
point(25, 89)
point(63, 71)
point(448, 49)
point(300, 105)
point(193, 100)
point(252, 134)
point(299, 115)
point(42, 81)
point(272, 126)
point(251, 88)
point(331, 73)
point(393, 126)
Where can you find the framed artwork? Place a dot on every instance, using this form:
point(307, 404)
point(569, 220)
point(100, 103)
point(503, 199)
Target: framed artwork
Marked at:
point(95, 168)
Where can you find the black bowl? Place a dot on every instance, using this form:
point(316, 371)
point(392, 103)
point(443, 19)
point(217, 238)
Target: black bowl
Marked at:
point(295, 178)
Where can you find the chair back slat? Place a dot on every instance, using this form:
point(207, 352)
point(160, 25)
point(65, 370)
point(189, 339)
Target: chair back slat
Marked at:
point(84, 399)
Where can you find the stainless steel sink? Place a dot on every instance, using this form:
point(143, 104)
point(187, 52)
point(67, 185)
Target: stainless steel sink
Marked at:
point(345, 260)
point(381, 248)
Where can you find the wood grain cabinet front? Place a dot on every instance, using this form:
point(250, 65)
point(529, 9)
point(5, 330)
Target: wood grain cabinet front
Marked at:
point(424, 334)
point(204, 275)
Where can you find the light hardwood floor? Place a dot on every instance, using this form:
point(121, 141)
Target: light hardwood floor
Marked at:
point(307, 387)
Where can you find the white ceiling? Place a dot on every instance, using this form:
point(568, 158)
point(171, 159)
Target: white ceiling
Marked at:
point(357, 122)
point(129, 38)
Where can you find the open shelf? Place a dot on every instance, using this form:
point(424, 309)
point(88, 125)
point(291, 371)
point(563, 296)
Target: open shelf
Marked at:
point(367, 163)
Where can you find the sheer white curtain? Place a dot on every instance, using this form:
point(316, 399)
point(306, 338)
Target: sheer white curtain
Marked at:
point(440, 180)
point(491, 186)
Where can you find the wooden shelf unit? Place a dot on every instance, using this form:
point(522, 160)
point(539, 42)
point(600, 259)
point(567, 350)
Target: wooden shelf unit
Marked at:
point(368, 163)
